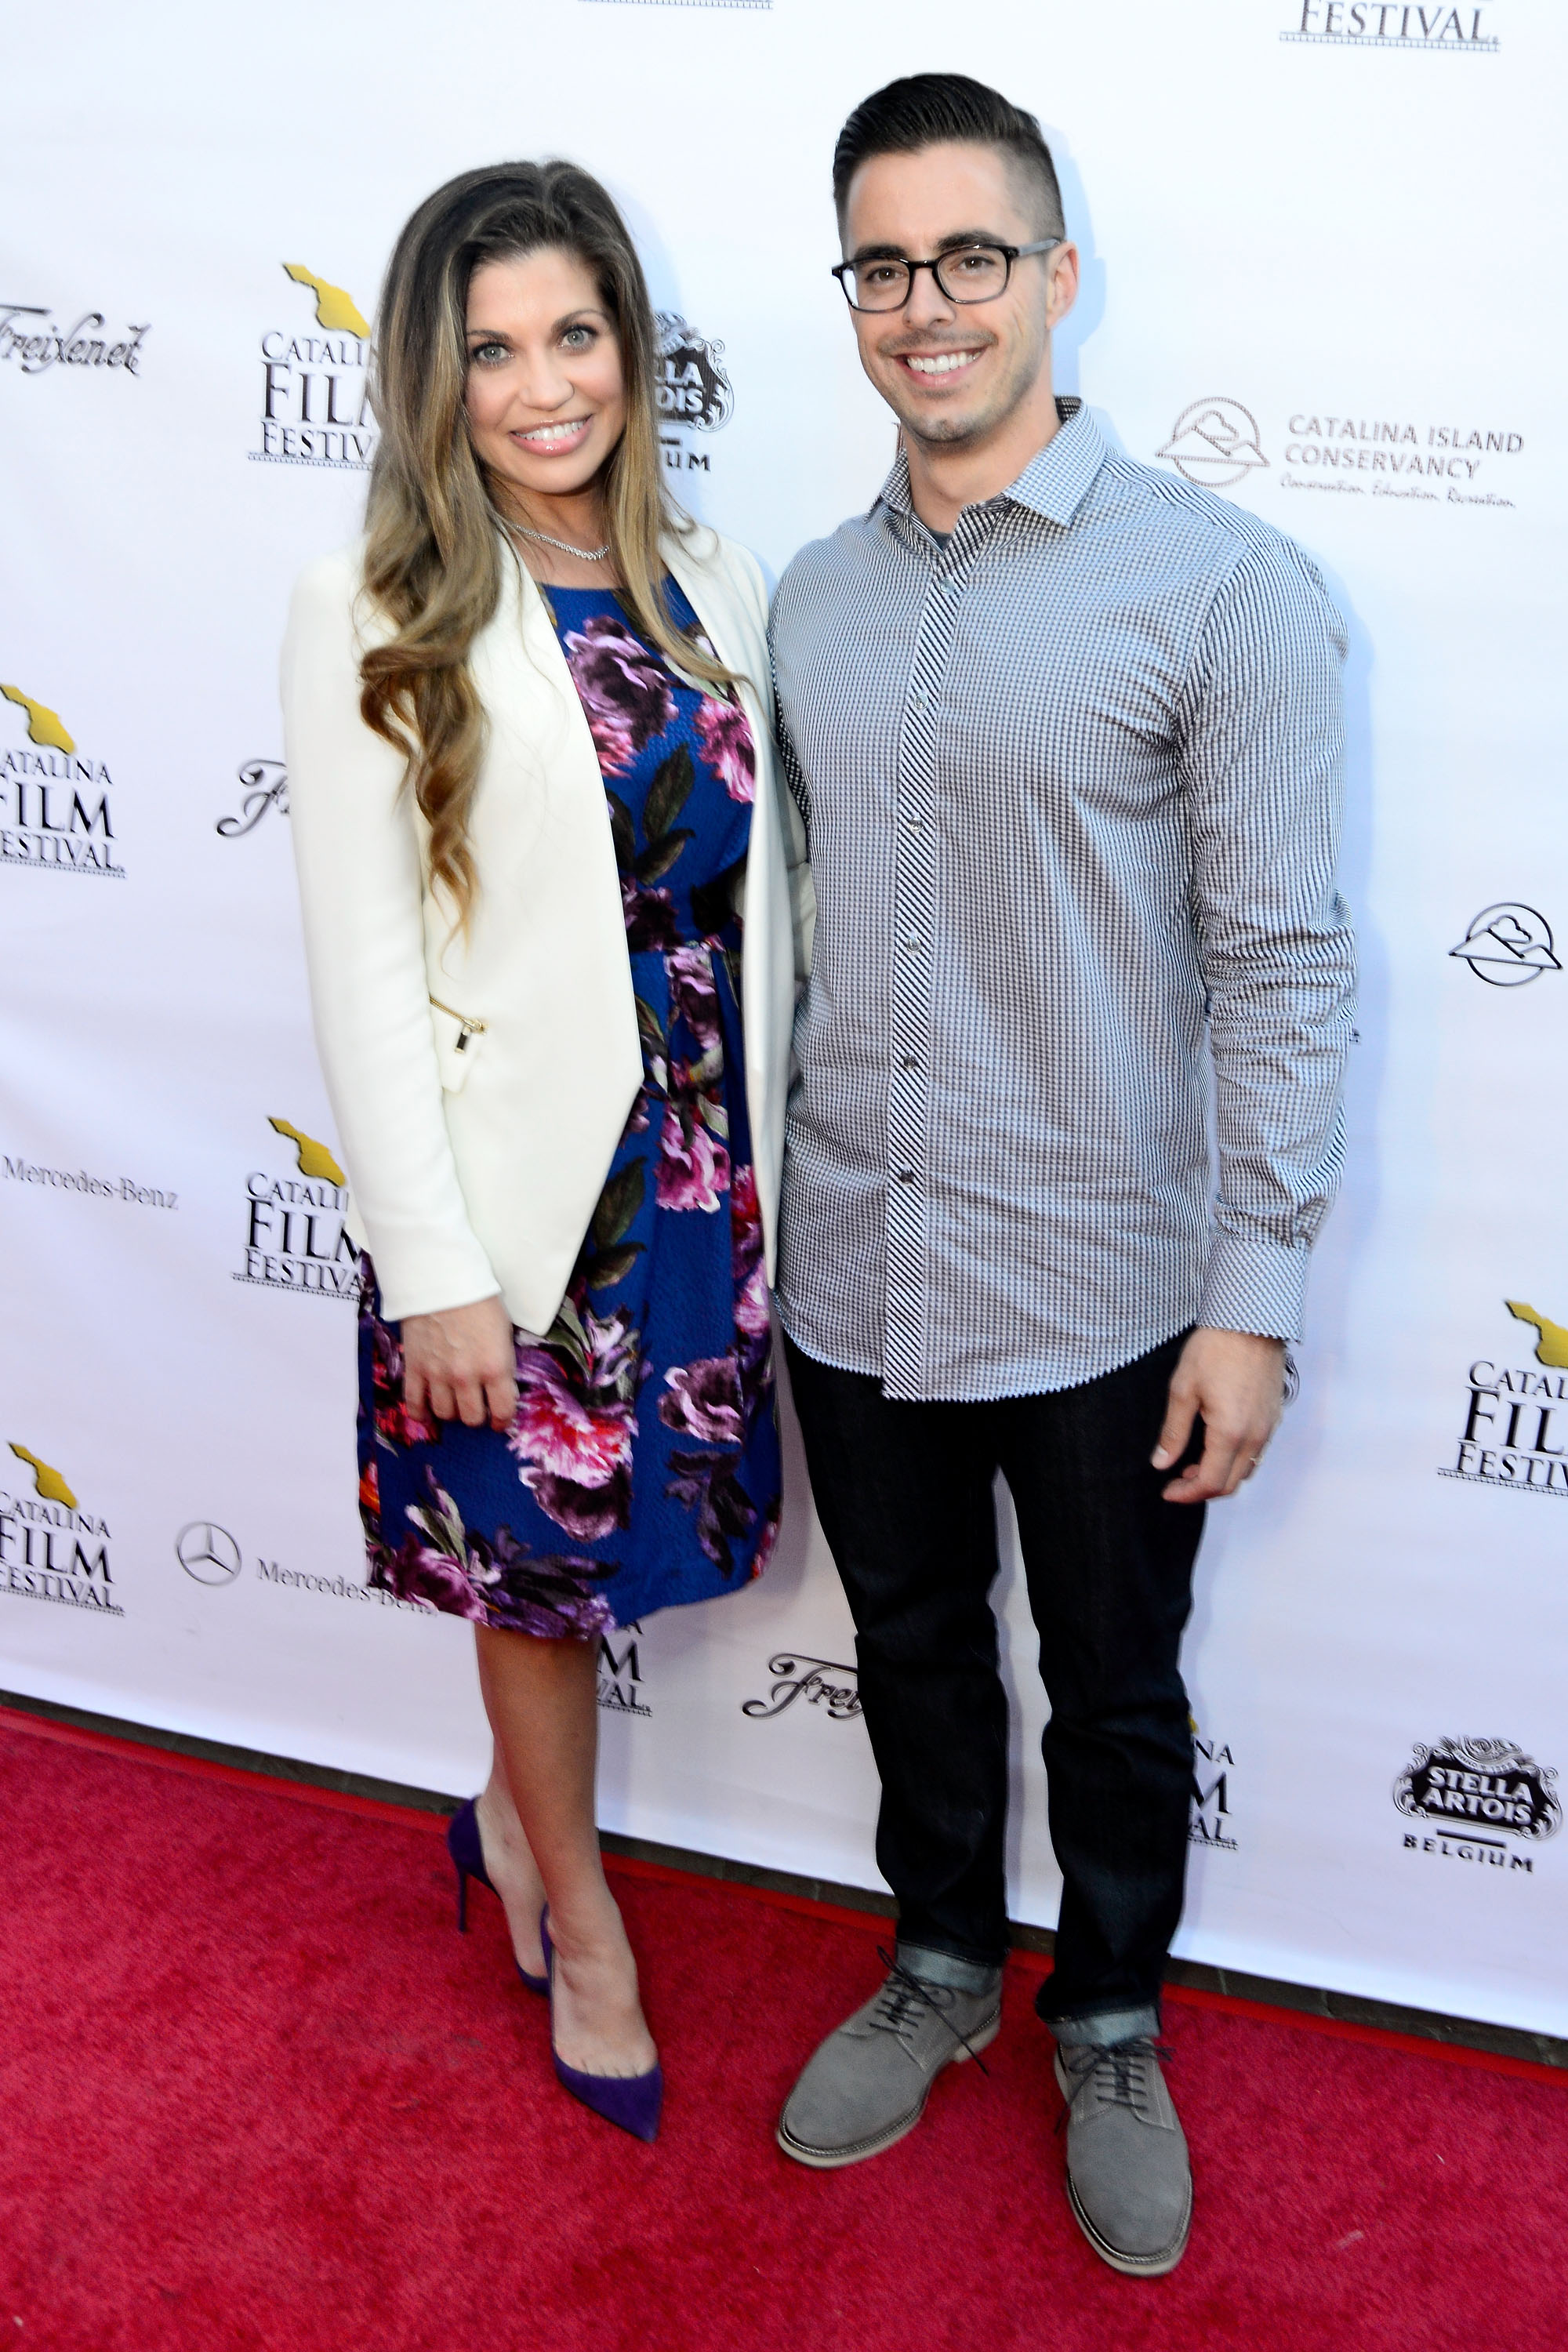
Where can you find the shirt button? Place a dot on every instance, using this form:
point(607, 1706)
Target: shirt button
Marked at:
point(910, 940)
point(917, 701)
point(910, 1062)
point(906, 1175)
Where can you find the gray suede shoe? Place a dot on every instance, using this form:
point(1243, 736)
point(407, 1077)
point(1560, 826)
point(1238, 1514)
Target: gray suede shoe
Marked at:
point(868, 2083)
point(1128, 2181)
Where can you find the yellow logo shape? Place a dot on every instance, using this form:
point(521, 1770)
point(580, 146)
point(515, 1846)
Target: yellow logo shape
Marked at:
point(44, 726)
point(315, 1159)
point(51, 1487)
point(334, 309)
point(1553, 1349)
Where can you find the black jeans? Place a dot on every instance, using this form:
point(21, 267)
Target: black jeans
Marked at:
point(905, 1495)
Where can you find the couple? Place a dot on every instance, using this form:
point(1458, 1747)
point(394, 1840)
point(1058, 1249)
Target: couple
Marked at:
point(1062, 736)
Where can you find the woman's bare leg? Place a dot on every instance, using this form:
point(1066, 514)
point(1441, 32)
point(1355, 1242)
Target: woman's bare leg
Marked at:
point(542, 1698)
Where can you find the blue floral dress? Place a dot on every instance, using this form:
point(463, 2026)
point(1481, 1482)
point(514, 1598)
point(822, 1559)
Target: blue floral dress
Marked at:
point(642, 1468)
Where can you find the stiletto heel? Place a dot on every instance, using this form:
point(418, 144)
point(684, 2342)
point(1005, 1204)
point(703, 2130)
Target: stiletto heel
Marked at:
point(463, 1845)
point(632, 2101)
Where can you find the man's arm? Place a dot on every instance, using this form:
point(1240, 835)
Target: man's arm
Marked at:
point(1262, 744)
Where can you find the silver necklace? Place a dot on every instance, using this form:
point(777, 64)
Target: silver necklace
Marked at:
point(588, 554)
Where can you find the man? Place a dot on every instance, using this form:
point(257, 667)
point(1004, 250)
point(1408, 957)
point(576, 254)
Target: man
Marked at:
point(1067, 735)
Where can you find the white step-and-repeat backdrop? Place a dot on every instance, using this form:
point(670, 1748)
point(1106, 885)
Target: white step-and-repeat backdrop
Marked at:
point(1323, 276)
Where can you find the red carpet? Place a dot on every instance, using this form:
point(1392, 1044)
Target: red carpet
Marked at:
point(257, 2094)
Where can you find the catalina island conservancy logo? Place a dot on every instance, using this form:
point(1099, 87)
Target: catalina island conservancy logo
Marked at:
point(1472, 1794)
point(315, 395)
point(1215, 443)
point(294, 1237)
point(1508, 946)
point(53, 799)
point(50, 1547)
point(1515, 1430)
point(695, 395)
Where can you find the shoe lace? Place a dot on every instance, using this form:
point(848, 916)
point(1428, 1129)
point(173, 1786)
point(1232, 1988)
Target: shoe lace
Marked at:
point(1120, 2073)
point(905, 1999)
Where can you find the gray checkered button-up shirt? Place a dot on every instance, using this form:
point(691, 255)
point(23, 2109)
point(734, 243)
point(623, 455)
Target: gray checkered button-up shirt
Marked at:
point(1072, 783)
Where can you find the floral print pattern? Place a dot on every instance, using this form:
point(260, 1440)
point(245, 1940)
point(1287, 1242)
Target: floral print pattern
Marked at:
point(641, 1468)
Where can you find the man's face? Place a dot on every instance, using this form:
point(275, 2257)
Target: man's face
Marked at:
point(953, 372)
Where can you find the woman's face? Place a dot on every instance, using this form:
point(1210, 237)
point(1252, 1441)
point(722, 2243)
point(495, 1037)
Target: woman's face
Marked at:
point(546, 396)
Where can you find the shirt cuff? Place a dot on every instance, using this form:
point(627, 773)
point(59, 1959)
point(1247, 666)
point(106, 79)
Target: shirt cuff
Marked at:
point(1250, 1285)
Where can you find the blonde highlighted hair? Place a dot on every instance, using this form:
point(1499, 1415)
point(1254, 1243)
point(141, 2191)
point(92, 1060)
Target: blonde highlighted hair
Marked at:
point(433, 557)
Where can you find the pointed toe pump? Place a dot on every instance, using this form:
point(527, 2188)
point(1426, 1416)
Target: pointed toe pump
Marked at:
point(633, 2102)
point(468, 1862)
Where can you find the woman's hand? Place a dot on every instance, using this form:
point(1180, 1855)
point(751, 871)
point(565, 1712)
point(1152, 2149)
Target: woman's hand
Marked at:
point(461, 1365)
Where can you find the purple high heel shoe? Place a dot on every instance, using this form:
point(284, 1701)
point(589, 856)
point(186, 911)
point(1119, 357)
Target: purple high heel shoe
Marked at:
point(632, 2101)
point(469, 1861)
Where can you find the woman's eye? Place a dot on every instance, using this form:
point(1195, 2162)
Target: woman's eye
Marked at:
point(578, 339)
point(489, 355)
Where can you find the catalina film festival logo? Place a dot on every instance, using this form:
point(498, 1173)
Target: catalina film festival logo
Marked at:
point(621, 1688)
point(263, 785)
point(1210, 1824)
point(1471, 1796)
point(315, 382)
point(694, 394)
point(294, 1237)
point(51, 1549)
point(29, 337)
point(55, 814)
point(1369, 24)
point(1508, 946)
point(1514, 1433)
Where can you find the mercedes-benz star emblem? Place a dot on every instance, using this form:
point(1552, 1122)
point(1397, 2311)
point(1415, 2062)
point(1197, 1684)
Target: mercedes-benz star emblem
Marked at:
point(1508, 946)
point(208, 1553)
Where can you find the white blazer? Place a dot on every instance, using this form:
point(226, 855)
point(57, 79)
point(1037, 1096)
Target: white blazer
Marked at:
point(480, 1083)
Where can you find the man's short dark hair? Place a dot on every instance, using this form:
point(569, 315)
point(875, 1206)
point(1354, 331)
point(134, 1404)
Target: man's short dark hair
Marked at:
point(925, 109)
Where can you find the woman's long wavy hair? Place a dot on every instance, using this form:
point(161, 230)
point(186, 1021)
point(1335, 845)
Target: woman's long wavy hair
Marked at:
point(433, 556)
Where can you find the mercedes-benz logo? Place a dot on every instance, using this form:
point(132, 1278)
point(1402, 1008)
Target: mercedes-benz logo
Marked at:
point(208, 1553)
point(1508, 946)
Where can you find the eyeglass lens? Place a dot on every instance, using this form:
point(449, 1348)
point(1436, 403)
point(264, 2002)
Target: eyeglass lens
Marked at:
point(973, 273)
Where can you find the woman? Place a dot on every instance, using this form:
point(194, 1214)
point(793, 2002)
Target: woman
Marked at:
point(535, 812)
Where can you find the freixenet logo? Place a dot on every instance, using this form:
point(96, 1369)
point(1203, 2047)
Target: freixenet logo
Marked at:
point(51, 1549)
point(53, 799)
point(821, 1681)
point(695, 395)
point(29, 336)
point(1471, 1795)
point(1372, 24)
point(315, 398)
point(1515, 1429)
point(294, 1237)
point(1508, 946)
point(263, 784)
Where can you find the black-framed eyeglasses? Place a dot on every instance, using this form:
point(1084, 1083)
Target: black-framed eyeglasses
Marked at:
point(969, 273)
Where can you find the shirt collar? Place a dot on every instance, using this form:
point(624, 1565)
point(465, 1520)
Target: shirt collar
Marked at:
point(1054, 483)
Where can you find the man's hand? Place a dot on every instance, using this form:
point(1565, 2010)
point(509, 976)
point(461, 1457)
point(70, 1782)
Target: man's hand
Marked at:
point(1236, 1382)
point(461, 1365)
